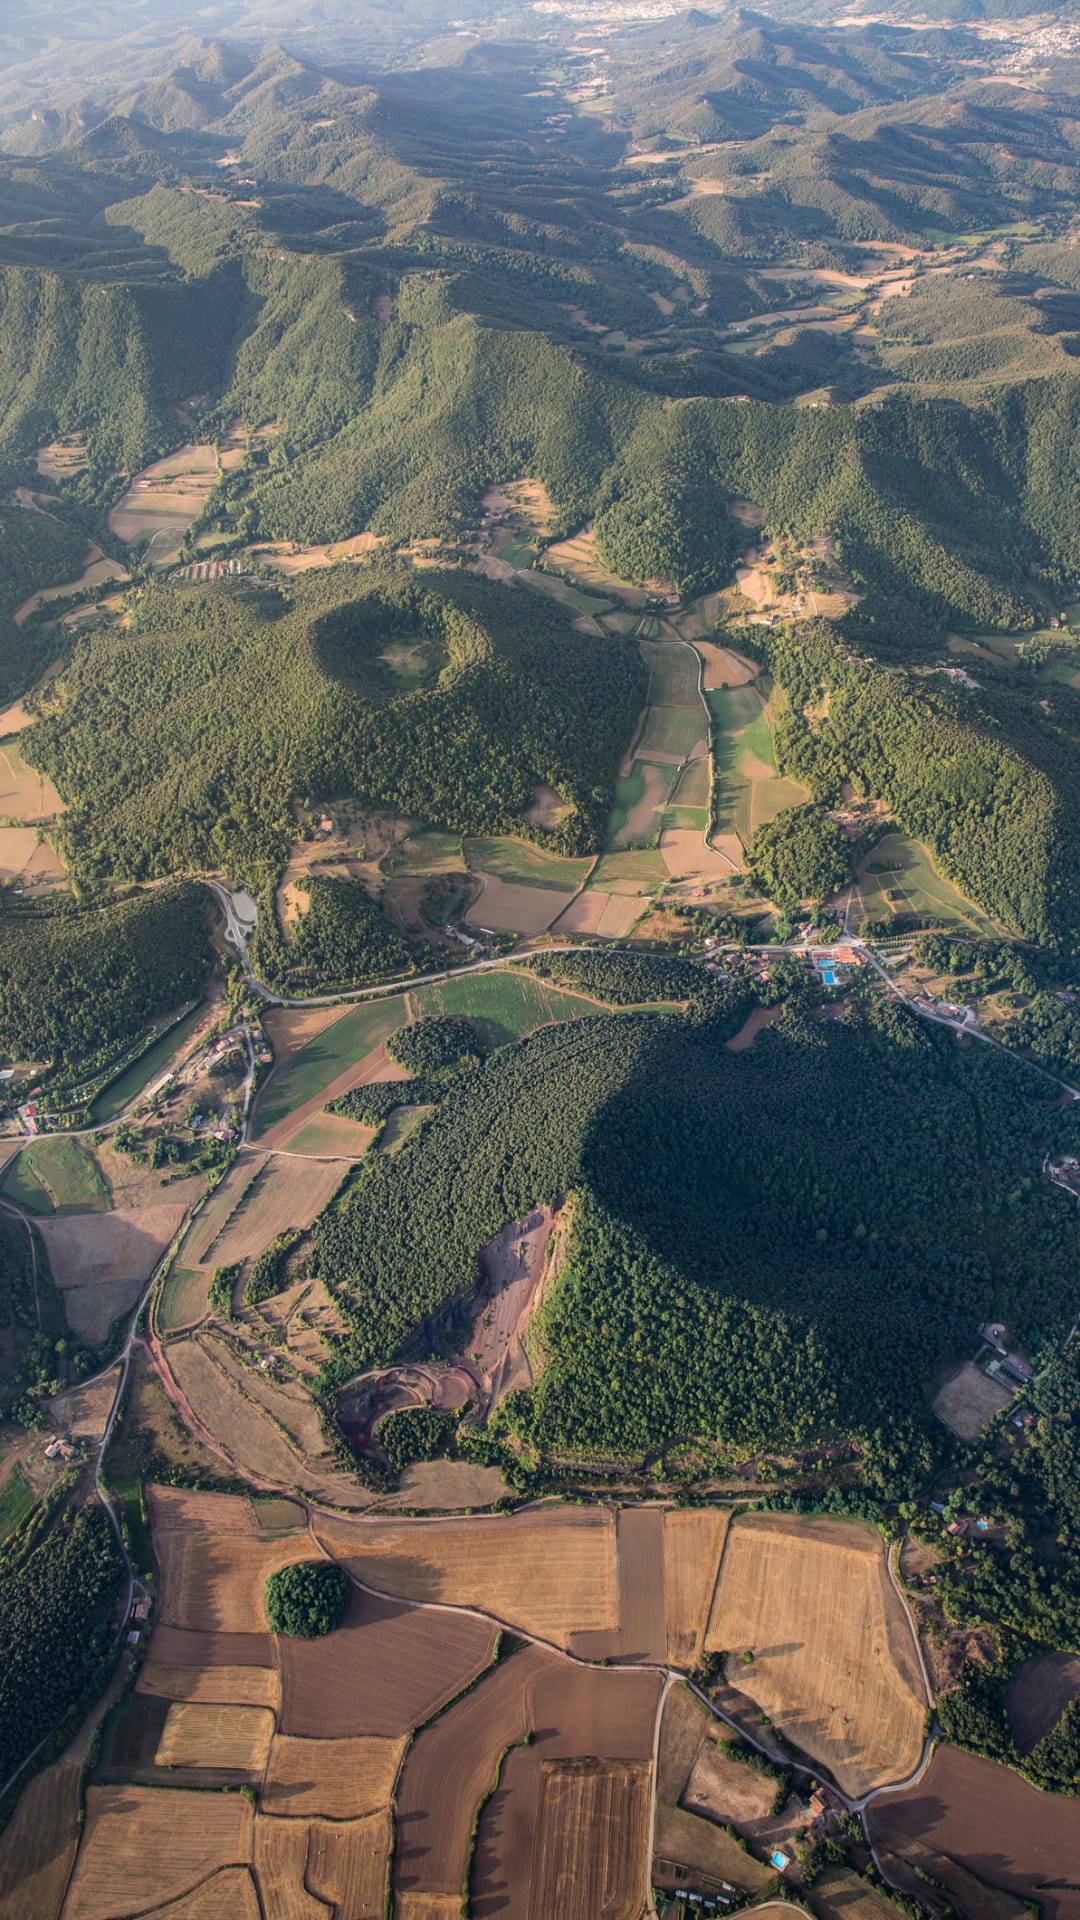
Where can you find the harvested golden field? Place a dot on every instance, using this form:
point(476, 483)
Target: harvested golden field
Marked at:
point(245, 1431)
point(287, 1402)
point(236, 1686)
point(386, 1669)
point(231, 1892)
point(685, 1724)
point(723, 668)
point(428, 1906)
point(143, 1846)
point(25, 794)
point(590, 1846)
point(213, 1581)
point(551, 1572)
point(289, 1193)
point(197, 1734)
point(727, 1790)
point(340, 1779)
point(174, 1508)
point(834, 1664)
point(686, 856)
point(332, 1137)
point(700, 1845)
point(693, 1543)
point(37, 1847)
point(102, 1261)
point(281, 1852)
point(347, 1865)
point(198, 1242)
point(447, 1486)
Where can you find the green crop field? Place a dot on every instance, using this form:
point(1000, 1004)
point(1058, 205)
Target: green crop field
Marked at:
point(693, 787)
point(57, 1175)
point(113, 1099)
point(183, 1300)
point(328, 1054)
point(428, 853)
point(674, 680)
point(16, 1500)
point(633, 869)
point(506, 1003)
point(673, 730)
point(751, 792)
point(569, 596)
point(920, 888)
point(694, 818)
point(511, 859)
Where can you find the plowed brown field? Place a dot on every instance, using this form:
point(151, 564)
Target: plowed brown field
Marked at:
point(642, 1625)
point(177, 1647)
point(386, 1669)
point(992, 1822)
point(551, 1572)
point(142, 1847)
point(341, 1779)
point(834, 1664)
point(450, 1767)
point(693, 1543)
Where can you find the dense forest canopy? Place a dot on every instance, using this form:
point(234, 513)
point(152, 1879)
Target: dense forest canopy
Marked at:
point(182, 740)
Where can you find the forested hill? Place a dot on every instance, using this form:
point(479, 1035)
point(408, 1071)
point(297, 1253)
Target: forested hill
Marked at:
point(182, 740)
point(723, 1282)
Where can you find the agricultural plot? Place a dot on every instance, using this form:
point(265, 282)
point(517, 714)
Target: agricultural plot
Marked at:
point(910, 884)
point(751, 791)
point(37, 1847)
point(286, 1193)
point(594, 1821)
point(580, 558)
point(640, 799)
point(700, 1847)
point(988, 1820)
point(551, 1572)
point(968, 1401)
point(236, 1406)
point(102, 1261)
point(637, 870)
point(25, 794)
point(833, 1662)
point(385, 1670)
point(693, 1543)
point(26, 857)
point(502, 906)
point(142, 1848)
point(687, 855)
point(521, 860)
point(840, 1894)
point(722, 667)
point(676, 733)
point(609, 915)
point(201, 1734)
point(83, 1412)
point(184, 1298)
point(164, 499)
point(332, 1137)
point(216, 1686)
point(506, 1003)
point(213, 1564)
point(330, 1063)
point(449, 1769)
point(56, 1174)
point(341, 1779)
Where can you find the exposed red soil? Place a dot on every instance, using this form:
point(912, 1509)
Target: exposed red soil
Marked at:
point(386, 1669)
